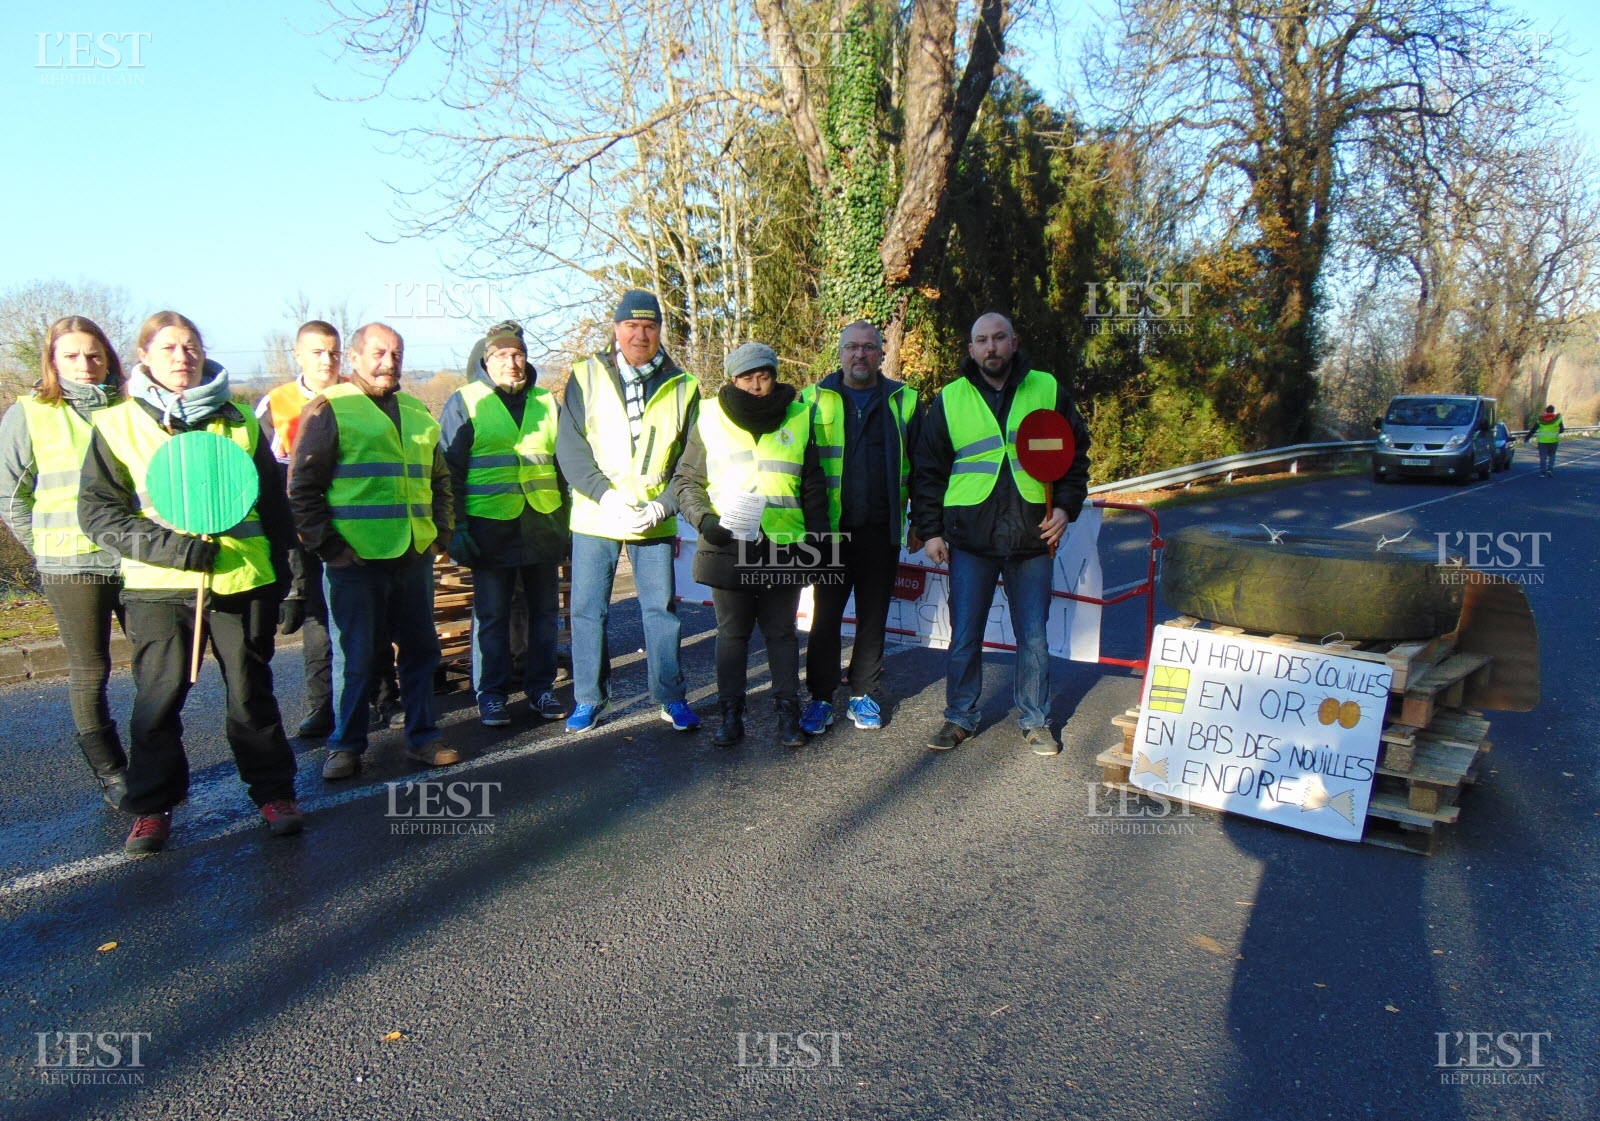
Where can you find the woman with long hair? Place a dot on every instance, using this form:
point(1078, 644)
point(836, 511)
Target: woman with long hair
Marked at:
point(176, 389)
point(43, 439)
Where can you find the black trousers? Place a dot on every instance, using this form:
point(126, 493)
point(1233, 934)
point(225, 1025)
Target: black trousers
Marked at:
point(317, 649)
point(240, 630)
point(83, 604)
point(870, 561)
point(738, 613)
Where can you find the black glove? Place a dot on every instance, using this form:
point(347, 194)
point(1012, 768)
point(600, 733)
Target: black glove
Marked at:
point(291, 616)
point(712, 533)
point(202, 555)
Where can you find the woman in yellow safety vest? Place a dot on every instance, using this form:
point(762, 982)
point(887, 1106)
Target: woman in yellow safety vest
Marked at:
point(174, 389)
point(42, 442)
point(750, 461)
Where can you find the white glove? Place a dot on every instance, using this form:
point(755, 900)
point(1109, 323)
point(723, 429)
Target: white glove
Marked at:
point(651, 514)
point(618, 510)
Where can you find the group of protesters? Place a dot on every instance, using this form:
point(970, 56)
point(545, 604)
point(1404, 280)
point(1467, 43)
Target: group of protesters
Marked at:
point(359, 487)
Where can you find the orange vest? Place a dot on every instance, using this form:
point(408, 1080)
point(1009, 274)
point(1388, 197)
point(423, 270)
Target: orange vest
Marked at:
point(284, 403)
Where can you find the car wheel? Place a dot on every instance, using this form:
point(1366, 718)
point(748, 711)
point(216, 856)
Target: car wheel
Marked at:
point(1309, 584)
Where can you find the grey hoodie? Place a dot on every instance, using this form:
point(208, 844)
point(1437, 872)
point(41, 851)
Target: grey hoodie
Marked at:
point(18, 472)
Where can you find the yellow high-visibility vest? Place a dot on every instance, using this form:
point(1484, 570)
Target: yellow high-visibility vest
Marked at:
point(509, 465)
point(979, 445)
point(244, 560)
point(640, 473)
point(381, 500)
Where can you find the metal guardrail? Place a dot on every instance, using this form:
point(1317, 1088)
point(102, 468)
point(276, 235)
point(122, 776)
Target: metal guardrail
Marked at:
point(1194, 472)
point(1176, 476)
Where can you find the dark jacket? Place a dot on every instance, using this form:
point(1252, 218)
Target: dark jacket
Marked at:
point(719, 566)
point(316, 454)
point(573, 453)
point(873, 427)
point(107, 504)
point(1004, 525)
point(529, 538)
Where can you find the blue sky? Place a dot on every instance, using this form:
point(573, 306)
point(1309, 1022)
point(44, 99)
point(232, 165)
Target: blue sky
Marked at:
point(215, 180)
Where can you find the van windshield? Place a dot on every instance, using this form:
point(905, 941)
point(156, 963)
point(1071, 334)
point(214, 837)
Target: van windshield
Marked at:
point(1434, 412)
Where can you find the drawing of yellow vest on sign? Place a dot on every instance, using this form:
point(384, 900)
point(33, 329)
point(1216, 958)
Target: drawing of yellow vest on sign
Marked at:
point(1169, 688)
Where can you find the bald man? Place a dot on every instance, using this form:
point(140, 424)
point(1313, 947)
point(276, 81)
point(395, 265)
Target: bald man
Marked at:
point(981, 515)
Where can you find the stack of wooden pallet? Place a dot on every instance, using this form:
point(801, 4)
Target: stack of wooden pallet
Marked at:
point(452, 617)
point(1430, 750)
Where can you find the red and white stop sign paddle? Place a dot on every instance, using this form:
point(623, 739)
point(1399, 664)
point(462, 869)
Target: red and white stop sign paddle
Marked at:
point(1045, 447)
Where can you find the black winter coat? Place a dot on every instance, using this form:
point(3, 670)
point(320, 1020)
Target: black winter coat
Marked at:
point(764, 564)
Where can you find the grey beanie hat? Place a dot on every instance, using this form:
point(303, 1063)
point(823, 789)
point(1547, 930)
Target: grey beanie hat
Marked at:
point(748, 357)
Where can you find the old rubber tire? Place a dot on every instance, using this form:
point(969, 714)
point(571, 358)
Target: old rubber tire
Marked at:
point(1309, 584)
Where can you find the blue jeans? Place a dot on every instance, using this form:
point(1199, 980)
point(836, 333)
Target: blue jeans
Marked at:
point(359, 596)
point(594, 567)
point(492, 589)
point(1547, 456)
point(972, 584)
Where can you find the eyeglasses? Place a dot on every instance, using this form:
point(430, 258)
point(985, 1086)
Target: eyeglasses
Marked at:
point(858, 348)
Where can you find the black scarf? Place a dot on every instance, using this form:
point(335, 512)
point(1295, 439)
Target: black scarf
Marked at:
point(756, 415)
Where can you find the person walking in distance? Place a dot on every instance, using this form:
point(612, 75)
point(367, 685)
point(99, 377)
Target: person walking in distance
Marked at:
point(981, 514)
point(1547, 429)
point(370, 492)
point(305, 609)
point(176, 389)
point(625, 417)
point(866, 426)
point(498, 434)
point(43, 439)
point(751, 456)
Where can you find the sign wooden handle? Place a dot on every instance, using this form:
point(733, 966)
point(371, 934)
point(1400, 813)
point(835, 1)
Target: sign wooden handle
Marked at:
point(199, 627)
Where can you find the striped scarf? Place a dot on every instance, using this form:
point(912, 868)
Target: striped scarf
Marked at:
point(633, 380)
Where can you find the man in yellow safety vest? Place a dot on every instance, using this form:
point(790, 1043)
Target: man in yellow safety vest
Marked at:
point(498, 433)
point(625, 417)
point(1547, 429)
point(370, 493)
point(867, 426)
point(981, 514)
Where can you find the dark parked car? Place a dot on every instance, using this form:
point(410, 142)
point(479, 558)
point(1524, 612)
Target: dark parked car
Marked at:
point(1505, 448)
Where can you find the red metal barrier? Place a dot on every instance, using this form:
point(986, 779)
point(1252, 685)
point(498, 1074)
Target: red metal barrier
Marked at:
point(1146, 588)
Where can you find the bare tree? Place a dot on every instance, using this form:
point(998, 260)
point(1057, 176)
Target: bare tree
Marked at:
point(1267, 101)
point(1536, 250)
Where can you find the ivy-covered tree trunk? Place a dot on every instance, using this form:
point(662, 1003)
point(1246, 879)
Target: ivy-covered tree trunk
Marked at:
point(882, 172)
point(860, 190)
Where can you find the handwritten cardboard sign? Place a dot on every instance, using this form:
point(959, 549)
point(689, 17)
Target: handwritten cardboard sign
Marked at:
point(1260, 729)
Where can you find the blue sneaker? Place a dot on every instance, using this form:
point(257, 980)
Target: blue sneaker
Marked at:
point(680, 716)
point(816, 718)
point(585, 717)
point(865, 713)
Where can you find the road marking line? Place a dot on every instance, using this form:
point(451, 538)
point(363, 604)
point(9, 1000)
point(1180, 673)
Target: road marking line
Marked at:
point(1457, 494)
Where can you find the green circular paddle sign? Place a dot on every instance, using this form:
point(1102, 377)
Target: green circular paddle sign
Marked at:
point(202, 482)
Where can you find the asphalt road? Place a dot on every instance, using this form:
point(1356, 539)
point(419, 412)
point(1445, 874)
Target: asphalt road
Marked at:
point(651, 922)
